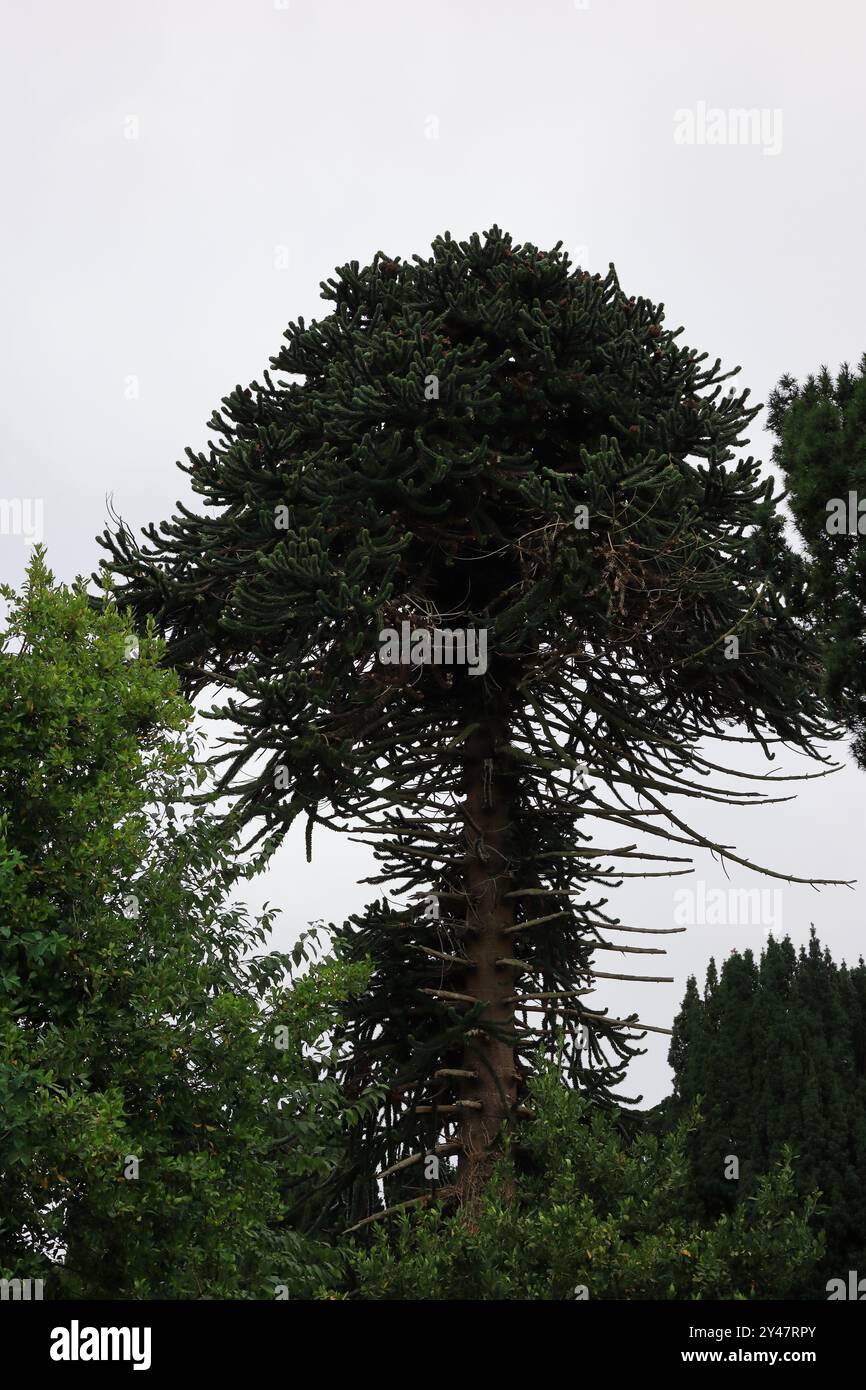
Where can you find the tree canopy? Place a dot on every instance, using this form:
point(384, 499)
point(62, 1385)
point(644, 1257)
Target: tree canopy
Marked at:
point(491, 440)
point(774, 1050)
point(162, 1106)
point(820, 430)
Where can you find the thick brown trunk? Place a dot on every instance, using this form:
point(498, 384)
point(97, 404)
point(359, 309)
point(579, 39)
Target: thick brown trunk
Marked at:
point(489, 913)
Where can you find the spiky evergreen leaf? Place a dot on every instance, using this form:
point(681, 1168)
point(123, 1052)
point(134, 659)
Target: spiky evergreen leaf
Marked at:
point(419, 455)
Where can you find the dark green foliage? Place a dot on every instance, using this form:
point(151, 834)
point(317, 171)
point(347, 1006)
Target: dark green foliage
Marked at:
point(595, 1209)
point(135, 1022)
point(419, 455)
point(820, 429)
point(774, 1053)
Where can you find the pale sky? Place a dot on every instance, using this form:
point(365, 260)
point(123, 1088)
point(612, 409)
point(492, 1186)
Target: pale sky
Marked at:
point(181, 174)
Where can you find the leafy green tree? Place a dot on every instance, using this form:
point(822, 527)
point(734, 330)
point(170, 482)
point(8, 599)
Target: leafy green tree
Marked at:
point(490, 442)
point(773, 1053)
point(590, 1213)
point(162, 1108)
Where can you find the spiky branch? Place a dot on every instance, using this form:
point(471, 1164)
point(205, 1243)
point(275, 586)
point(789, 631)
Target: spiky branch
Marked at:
point(493, 441)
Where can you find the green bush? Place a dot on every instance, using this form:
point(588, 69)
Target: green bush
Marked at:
point(584, 1210)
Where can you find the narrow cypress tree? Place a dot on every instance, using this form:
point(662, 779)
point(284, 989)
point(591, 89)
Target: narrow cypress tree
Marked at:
point(687, 1036)
point(493, 442)
point(774, 1051)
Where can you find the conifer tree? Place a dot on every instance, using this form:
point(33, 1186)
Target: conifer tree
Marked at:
point(774, 1051)
point(494, 442)
point(820, 430)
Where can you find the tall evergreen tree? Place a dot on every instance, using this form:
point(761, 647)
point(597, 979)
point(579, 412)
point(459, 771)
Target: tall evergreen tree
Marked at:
point(492, 441)
point(773, 1051)
point(820, 430)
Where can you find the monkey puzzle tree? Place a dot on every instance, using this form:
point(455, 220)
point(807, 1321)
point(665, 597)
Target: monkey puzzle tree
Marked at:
point(494, 442)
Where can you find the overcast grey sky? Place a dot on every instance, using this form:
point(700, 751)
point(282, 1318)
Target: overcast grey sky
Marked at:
point(179, 175)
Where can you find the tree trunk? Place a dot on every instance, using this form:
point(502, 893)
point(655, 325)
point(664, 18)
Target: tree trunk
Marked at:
point(487, 814)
